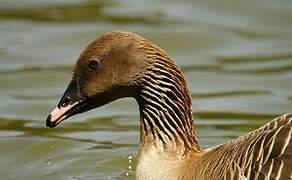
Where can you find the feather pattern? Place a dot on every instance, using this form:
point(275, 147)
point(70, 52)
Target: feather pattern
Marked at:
point(168, 136)
point(264, 153)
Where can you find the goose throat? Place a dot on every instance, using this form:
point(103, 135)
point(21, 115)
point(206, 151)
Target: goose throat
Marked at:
point(165, 106)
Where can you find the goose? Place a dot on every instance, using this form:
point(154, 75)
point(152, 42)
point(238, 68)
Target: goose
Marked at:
point(124, 64)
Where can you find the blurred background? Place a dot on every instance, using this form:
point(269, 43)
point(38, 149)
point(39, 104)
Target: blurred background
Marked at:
point(236, 54)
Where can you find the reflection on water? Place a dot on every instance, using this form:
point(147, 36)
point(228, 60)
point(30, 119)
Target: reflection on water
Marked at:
point(87, 11)
point(237, 57)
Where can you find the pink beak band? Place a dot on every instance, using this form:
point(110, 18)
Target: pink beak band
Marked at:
point(58, 115)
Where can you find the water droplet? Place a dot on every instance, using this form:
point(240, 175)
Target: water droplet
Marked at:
point(129, 170)
point(130, 157)
point(49, 161)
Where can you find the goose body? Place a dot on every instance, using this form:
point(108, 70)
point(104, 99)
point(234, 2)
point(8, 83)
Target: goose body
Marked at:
point(264, 153)
point(123, 64)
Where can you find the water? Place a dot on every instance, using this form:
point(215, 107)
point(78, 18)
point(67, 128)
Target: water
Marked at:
point(236, 54)
point(49, 161)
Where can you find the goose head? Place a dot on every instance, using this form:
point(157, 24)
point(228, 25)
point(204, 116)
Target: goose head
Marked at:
point(108, 68)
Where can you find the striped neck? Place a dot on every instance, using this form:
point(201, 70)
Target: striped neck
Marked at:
point(165, 107)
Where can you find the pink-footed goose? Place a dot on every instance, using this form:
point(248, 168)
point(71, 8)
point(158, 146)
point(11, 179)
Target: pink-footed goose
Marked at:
point(123, 64)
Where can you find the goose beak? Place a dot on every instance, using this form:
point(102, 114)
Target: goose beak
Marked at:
point(70, 104)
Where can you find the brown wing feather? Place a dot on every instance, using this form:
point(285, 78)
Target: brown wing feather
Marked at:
point(265, 153)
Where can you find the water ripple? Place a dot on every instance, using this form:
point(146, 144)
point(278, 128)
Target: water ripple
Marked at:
point(231, 93)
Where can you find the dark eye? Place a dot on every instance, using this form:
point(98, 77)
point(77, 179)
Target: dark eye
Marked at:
point(94, 64)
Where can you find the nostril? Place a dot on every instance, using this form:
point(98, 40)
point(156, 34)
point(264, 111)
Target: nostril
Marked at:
point(65, 102)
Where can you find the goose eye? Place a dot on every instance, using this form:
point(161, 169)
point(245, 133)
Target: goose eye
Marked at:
point(94, 64)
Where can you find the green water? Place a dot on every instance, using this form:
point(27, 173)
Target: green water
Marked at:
point(236, 54)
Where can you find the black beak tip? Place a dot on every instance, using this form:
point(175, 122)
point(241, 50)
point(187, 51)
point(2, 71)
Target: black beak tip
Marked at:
point(49, 123)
